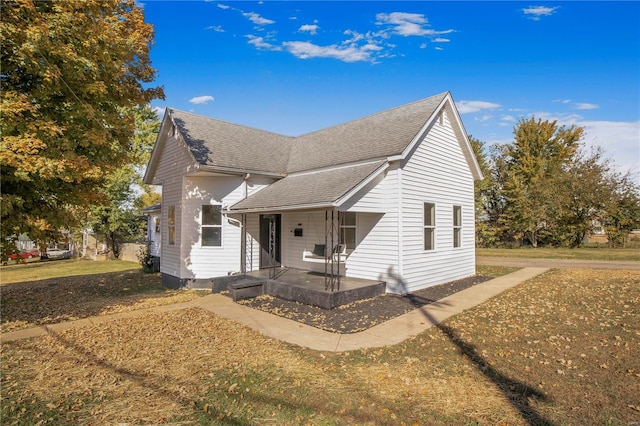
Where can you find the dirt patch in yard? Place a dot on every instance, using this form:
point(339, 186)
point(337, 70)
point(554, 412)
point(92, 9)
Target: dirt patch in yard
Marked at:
point(363, 314)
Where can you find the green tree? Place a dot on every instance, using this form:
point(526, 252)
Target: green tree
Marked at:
point(119, 219)
point(72, 74)
point(622, 210)
point(534, 163)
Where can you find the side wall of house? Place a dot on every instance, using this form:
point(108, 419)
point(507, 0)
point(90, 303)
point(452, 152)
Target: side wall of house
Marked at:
point(436, 172)
point(174, 162)
point(376, 252)
point(202, 262)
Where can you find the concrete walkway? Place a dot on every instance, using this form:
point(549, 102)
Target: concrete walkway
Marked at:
point(390, 332)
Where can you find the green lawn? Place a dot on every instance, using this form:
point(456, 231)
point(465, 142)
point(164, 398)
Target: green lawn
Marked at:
point(626, 254)
point(61, 268)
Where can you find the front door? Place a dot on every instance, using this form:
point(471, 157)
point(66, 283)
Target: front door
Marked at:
point(269, 240)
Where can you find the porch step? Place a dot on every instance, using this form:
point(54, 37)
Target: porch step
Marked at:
point(246, 288)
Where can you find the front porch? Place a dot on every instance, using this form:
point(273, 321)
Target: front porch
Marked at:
point(310, 287)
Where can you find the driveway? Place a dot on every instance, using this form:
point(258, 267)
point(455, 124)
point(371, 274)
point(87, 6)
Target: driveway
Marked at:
point(557, 263)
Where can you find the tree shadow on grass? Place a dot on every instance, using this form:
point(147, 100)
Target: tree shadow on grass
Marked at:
point(214, 409)
point(62, 299)
point(516, 392)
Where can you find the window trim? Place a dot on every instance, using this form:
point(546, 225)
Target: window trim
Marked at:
point(431, 226)
point(202, 225)
point(354, 227)
point(171, 225)
point(457, 226)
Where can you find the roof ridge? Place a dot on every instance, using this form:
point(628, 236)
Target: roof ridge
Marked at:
point(386, 111)
point(229, 122)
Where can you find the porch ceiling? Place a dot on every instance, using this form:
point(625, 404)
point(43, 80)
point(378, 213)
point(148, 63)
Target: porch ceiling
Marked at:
point(317, 189)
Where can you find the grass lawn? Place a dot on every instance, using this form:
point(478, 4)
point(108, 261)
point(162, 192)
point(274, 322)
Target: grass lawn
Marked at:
point(584, 253)
point(37, 270)
point(64, 290)
point(562, 348)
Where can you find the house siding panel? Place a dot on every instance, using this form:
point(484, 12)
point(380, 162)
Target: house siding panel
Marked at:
point(436, 172)
point(376, 252)
point(174, 161)
point(206, 262)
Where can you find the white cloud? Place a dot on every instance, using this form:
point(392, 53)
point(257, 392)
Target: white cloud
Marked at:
point(310, 28)
point(159, 111)
point(408, 24)
point(423, 46)
point(223, 6)
point(483, 118)
point(582, 105)
point(441, 40)
point(216, 28)
point(465, 107)
point(260, 43)
point(306, 50)
point(535, 12)
point(620, 141)
point(439, 48)
point(201, 100)
point(257, 19)
point(562, 101)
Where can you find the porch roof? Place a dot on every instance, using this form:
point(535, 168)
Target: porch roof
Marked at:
point(318, 189)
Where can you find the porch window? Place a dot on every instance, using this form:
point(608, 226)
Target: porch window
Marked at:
point(211, 225)
point(429, 226)
point(171, 224)
point(457, 225)
point(348, 230)
point(157, 224)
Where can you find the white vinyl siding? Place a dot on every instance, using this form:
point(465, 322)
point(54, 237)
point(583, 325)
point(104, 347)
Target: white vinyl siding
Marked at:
point(437, 172)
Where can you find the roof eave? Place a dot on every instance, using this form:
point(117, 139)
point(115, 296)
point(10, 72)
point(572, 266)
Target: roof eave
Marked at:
point(311, 206)
point(239, 171)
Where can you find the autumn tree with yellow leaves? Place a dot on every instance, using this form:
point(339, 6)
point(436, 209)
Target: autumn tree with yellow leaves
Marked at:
point(72, 75)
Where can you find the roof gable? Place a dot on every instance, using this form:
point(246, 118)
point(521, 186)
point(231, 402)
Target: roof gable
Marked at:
point(387, 135)
point(381, 135)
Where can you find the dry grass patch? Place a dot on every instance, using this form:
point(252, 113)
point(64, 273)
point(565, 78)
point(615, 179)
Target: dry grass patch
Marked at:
point(559, 349)
point(66, 298)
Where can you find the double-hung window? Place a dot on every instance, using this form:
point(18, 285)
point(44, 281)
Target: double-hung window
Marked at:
point(429, 225)
point(457, 226)
point(171, 224)
point(348, 230)
point(211, 225)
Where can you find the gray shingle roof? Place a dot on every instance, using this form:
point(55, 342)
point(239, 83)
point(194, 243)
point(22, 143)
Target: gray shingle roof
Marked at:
point(369, 140)
point(218, 143)
point(221, 144)
point(318, 188)
point(380, 135)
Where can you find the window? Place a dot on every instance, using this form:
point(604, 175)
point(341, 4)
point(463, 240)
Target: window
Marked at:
point(457, 225)
point(429, 226)
point(171, 224)
point(211, 226)
point(348, 230)
point(157, 224)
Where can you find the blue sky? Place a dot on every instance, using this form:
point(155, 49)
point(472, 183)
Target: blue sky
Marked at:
point(295, 67)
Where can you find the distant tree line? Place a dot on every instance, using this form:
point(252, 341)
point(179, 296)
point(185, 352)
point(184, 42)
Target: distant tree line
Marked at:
point(545, 188)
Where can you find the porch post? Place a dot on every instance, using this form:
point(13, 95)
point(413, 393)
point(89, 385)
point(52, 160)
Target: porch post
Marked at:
point(243, 244)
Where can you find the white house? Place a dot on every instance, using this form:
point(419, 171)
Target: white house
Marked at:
point(385, 197)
